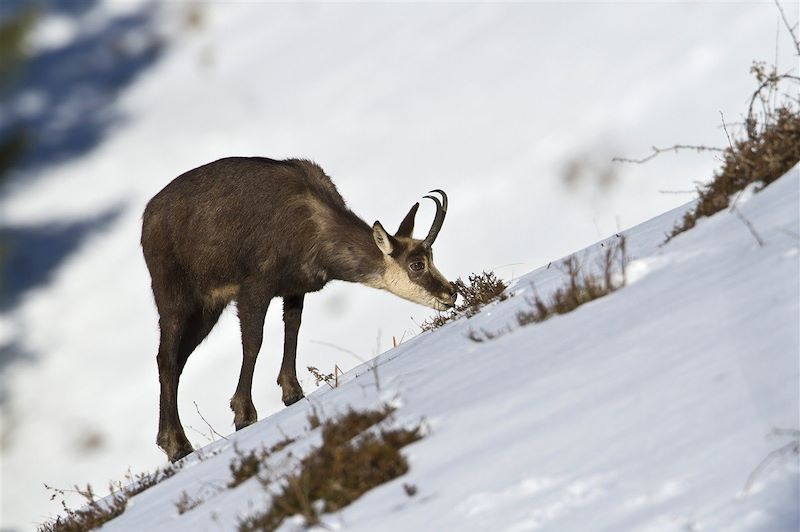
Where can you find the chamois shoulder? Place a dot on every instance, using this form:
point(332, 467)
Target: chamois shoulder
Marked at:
point(318, 182)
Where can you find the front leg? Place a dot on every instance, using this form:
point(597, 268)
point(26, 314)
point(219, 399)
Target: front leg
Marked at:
point(252, 306)
point(287, 378)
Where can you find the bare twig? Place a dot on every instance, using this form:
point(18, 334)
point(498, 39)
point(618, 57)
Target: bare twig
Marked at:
point(396, 342)
point(338, 348)
point(725, 128)
point(375, 362)
point(733, 208)
point(205, 435)
point(788, 27)
point(739, 194)
point(747, 223)
point(206, 422)
point(659, 151)
point(771, 79)
point(375, 374)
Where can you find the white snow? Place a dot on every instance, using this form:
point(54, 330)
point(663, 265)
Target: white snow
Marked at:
point(488, 102)
point(647, 409)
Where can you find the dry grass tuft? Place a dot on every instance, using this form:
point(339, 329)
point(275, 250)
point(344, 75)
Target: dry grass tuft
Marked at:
point(91, 516)
point(98, 511)
point(331, 379)
point(761, 157)
point(246, 465)
point(138, 483)
point(314, 420)
point(186, 502)
point(483, 288)
point(281, 445)
point(581, 287)
point(763, 148)
point(350, 461)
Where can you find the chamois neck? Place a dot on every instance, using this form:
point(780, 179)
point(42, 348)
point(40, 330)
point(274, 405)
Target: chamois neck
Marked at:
point(351, 251)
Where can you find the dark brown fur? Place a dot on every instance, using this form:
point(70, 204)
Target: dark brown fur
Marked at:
point(249, 230)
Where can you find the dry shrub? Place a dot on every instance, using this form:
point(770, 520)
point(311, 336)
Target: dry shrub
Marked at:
point(91, 516)
point(245, 465)
point(186, 503)
point(281, 445)
point(580, 287)
point(96, 512)
point(314, 420)
point(768, 147)
point(483, 288)
point(319, 376)
point(248, 465)
point(331, 379)
point(138, 483)
point(350, 461)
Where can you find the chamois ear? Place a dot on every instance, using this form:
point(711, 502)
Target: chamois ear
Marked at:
point(407, 225)
point(384, 241)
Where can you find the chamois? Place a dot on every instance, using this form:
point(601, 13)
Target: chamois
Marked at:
point(249, 229)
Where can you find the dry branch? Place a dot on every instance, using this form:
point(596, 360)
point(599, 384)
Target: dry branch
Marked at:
point(659, 151)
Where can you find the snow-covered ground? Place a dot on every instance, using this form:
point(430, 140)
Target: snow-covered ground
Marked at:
point(489, 102)
point(645, 410)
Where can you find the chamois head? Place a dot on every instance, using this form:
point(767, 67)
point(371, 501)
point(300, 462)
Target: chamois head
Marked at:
point(409, 271)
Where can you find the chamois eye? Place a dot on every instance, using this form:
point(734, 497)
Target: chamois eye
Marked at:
point(417, 266)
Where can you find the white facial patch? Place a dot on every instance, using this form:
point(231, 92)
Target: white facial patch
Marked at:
point(396, 280)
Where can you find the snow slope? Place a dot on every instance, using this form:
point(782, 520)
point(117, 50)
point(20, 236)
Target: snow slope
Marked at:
point(644, 410)
point(489, 102)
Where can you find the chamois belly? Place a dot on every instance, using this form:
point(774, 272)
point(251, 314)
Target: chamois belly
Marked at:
point(222, 294)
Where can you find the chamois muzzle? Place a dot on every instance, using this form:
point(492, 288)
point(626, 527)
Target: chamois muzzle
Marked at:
point(438, 220)
point(444, 303)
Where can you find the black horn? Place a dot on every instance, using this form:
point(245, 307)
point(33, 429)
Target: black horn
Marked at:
point(438, 220)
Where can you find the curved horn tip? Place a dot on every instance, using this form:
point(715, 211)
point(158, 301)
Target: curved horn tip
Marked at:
point(444, 196)
point(438, 219)
point(439, 206)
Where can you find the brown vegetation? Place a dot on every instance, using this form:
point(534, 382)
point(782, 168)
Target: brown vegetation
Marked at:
point(98, 511)
point(483, 288)
point(767, 151)
point(93, 515)
point(186, 502)
point(331, 379)
point(580, 287)
point(350, 461)
point(246, 465)
point(766, 146)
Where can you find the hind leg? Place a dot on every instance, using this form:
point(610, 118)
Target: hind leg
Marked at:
point(200, 324)
point(180, 335)
point(171, 437)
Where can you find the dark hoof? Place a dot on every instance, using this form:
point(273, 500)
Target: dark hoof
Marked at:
point(244, 413)
point(183, 451)
point(176, 447)
point(243, 424)
point(292, 391)
point(292, 397)
point(245, 419)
